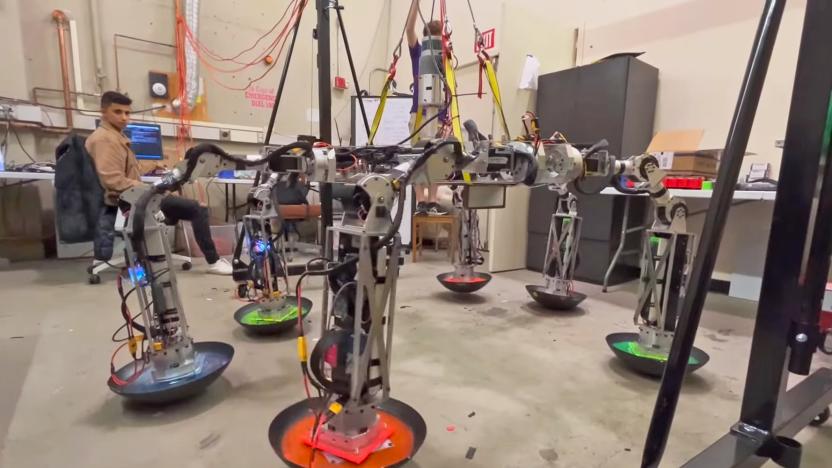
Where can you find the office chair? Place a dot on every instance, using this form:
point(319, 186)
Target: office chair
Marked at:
point(117, 264)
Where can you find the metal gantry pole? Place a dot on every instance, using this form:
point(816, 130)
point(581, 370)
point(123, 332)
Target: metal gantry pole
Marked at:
point(797, 264)
point(283, 76)
point(783, 296)
point(324, 101)
point(355, 81)
point(703, 265)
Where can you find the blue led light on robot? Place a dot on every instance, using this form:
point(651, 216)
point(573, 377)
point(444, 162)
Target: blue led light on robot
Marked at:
point(137, 275)
point(260, 246)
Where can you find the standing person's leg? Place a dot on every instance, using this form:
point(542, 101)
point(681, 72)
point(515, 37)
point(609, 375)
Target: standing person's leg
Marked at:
point(433, 201)
point(418, 189)
point(432, 189)
point(177, 208)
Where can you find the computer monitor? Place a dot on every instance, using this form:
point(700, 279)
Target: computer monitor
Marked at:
point(145, 139)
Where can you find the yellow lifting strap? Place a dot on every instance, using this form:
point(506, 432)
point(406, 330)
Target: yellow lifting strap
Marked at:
point(495, 91)
point(454, 109)
point(385, 90)
point(416, 124)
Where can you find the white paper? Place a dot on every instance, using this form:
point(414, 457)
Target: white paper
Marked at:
point(758, 171)
point(531, 68)
point(665, 159)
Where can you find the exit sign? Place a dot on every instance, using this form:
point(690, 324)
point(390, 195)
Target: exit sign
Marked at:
point(487, 39)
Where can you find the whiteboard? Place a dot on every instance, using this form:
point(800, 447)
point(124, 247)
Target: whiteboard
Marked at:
point(394, 127)
point(395, 123)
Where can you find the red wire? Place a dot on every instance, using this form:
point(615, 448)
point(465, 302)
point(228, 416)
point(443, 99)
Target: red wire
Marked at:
point(136, 372)
point(181, 71)
point(129, 317)
point(259, 58)
point(220, 58)
point(280, 39)
point(251, 81)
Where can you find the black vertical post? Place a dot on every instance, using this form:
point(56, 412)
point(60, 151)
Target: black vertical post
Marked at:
point(355, 81)
point(283, 76)
point(703, 264)
point(324, 102)
point(272, 118)
point(785, 288)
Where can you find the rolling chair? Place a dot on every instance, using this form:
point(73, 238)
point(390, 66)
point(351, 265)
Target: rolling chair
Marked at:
point(117, 263)
point(79, 197)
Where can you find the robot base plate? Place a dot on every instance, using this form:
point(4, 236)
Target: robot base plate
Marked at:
point(211, 360)
point(290, 430)
point(647, 362)
point(553, 301)
point(271, 318)
point(464, 285)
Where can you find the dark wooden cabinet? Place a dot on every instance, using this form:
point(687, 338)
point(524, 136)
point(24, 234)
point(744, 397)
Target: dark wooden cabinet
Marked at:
point(613, 99)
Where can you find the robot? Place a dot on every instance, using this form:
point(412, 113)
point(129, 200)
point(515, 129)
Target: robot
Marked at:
point(167, 363)
point(271, 310)
point(482, 185)
point(561, 164)
point(560, 261)
point(666, 255)
point(353, 417)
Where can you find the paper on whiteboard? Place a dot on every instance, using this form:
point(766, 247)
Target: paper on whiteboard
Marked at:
point(531, 68)
point(395, 123)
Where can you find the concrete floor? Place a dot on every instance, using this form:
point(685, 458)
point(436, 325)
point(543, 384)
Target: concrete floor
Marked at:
point(543, 388)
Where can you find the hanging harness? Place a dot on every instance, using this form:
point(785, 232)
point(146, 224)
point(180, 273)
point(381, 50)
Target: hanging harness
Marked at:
point(486, 66)
point(385, 91)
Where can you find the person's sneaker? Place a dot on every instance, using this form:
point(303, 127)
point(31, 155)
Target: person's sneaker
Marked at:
point(221, 267)
point(436, 209)
point(421, 208)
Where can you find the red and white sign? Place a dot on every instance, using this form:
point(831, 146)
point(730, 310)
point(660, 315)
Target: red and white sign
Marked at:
point(487, 39)
point(262, 98)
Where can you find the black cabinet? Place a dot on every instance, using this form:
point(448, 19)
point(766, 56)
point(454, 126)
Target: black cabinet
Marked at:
point(613, 99)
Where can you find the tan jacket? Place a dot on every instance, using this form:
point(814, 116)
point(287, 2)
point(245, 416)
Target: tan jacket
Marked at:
point(115, 162)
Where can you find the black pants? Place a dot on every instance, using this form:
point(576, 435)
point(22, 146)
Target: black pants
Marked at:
point(175, 209)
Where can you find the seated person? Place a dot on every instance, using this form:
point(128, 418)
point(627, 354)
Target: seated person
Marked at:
point(118, 170)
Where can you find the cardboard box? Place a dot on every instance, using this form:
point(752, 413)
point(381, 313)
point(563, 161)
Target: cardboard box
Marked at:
point(679, 153)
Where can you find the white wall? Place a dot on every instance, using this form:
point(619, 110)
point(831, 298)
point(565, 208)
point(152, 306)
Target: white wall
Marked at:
point(701, 48)
point(12, 84)
point(226, 27)
point(31, 58)
point(552, 43)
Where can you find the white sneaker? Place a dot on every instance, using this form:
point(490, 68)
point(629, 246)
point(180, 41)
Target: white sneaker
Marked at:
point(221, 267)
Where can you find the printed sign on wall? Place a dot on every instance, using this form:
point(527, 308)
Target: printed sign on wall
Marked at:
point(261, 98)
point(488, 38)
